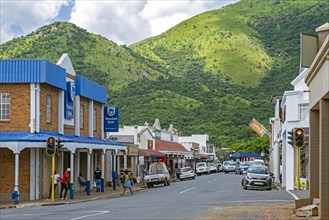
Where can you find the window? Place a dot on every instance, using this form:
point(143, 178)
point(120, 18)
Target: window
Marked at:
point(4, 106)
point(48, 108)
point(81, 116)
point(94, 119)
point(303, 111)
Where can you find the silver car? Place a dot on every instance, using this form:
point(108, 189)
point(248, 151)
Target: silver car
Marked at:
point(229, 166)
point(258, 177)
point(186, 173)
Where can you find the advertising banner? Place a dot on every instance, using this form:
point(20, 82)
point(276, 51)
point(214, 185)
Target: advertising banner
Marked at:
point(111, 119)
point(69, 100)
point(257, 127)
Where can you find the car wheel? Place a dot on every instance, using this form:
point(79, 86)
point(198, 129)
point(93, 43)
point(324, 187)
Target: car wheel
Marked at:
point(245, 187)
point(148, 186)
point(226, 172)
point(165, 183)
point(193, 177)
point(168, 182)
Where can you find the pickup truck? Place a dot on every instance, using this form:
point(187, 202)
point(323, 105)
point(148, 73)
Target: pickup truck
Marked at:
point(158, 174)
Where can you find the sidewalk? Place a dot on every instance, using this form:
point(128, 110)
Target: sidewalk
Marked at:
point(79, 196)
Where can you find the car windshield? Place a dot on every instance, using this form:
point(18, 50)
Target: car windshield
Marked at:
point(258, 170)
point(230, 163)
point(244, 163)
point(186, 169)
point(201, 165)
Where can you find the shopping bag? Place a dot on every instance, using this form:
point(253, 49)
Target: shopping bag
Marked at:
point(128, 184)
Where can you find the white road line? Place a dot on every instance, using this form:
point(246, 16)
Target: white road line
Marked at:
point(293, 195)
point(187, 190)
point(85, 216)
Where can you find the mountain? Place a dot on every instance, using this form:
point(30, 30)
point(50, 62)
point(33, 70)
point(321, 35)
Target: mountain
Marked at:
point(210, 74)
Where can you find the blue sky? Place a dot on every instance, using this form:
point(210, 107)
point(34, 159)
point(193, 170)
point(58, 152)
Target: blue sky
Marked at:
point(122, 21)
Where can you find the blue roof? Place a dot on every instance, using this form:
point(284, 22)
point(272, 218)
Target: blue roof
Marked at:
point(90, 89)
point(32, 71)
point(43, 135)
point(245, 155)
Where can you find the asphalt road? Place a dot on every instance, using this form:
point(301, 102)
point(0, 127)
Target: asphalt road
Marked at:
point(189, 199)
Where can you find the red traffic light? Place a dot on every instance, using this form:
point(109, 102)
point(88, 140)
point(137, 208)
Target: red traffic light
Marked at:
point(50, 141)
point(299, 132)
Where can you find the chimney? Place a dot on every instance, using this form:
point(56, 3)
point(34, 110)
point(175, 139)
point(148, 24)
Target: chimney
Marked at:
point(135, 134)
point(323, 32)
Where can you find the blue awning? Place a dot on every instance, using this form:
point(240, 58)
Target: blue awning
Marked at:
point(43, 135)
point(245, 155)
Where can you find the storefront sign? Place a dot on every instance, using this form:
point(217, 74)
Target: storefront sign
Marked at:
point(69, 100)
point(111, 119)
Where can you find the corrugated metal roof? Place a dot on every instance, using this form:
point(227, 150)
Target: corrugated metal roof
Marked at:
point(32, 71)
point(161, 145)
point(90, 89)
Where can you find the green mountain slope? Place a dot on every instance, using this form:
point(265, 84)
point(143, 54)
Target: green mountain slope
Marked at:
point(92, 56)
point(210, 74)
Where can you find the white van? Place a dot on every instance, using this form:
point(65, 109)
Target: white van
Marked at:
point(202, 168)
point(259, 161)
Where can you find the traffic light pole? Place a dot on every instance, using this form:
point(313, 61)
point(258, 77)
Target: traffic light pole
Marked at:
point(52, 177)
point(297, 180)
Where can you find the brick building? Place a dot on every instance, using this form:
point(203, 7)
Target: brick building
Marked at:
point(39, 99)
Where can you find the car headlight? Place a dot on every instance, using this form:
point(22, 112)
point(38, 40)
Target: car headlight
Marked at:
point(248, 177)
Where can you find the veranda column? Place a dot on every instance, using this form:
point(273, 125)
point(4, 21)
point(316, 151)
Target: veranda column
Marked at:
point(88, 172)
point(323, 159)
point(16, 188)
point(103, 168)
point(72, 176)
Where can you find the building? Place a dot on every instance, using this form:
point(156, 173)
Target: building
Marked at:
point(38, 100)
point(317, 80)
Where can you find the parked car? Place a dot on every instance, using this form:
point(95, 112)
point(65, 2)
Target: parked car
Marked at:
point(186, 173)
point(157, 174)
point(257, 176)
point(212, 168)
point(242, 167)
point(259, 161)
point(202, 168)
point(229, 166)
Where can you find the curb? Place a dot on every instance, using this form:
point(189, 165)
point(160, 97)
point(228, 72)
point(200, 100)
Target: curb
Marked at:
point(30, 205)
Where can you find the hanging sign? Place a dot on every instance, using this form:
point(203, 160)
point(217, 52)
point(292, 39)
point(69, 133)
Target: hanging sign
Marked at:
point(111, 119)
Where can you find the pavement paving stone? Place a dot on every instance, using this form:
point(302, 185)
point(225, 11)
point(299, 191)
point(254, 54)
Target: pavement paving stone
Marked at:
point(79, 196)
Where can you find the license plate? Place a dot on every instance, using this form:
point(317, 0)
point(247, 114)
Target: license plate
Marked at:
point(155, 179)
point(258, 183)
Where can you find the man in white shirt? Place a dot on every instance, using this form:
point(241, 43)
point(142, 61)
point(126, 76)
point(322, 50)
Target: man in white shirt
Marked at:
point(57, 178)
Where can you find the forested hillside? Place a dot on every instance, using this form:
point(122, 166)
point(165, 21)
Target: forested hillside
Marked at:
point(210, 74)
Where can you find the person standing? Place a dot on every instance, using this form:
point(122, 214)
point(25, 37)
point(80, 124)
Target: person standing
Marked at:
point(57, 178)
point(65, 182)
point(126, 183)
point(98, 179)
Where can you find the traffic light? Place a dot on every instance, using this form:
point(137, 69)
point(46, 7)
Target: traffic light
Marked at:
point(59, 145)
point(291, 137)
point(51, 145)
point(299, 137)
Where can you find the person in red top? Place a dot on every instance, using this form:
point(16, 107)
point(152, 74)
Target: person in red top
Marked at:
point(65, 183)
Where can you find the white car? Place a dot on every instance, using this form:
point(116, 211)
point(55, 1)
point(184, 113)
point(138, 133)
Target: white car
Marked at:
point(158, 174)
point(186, 173)
point(259, 161)
point(202, 168)
point(212, 168)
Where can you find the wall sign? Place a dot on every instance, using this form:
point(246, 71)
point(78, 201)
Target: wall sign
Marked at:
point(111, 119)
point(69, 100)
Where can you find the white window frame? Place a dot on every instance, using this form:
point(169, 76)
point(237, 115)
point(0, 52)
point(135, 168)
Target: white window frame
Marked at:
point(302, 111)
point(95, 119)
point(48, 108)
point(81, 116)
point(4, 106)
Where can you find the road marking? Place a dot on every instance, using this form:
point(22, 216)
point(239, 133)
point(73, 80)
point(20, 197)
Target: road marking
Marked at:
point(85, 216)
point(187, 190)
point(293, 195)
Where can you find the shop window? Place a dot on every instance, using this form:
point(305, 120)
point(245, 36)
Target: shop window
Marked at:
point(81, 116)
point(48, 108)
point(303, 111)
point(4, 106)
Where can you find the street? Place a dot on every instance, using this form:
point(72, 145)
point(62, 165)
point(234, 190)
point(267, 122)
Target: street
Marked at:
point(207, 197)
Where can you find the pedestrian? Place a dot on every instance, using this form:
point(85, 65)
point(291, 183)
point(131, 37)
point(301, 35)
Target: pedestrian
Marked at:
point(126, 183)
point(65, 183)
point(82, 181)
point(57, 178)
point(98, 179)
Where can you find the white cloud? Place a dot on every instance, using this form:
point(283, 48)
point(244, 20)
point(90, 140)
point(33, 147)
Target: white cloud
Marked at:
point(124, 22)
point(22, 17)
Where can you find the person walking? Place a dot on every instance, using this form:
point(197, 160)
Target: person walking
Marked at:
point(65, 182)
point(126, 183)
point(98, 179)
point(57, 178)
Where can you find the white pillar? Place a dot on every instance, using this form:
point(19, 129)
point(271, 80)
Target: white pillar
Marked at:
point(77, 166)
point(77, 115)
point(115, 161)
point(72, 177)
point(276, 153)
point(88, 173)
point(61, 112)
point(16, 188)
point(125, 161)
point(118, 165)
